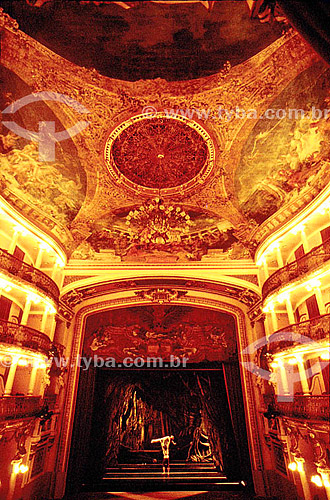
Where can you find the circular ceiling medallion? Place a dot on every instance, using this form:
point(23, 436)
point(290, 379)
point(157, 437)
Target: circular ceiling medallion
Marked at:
point(155, 154)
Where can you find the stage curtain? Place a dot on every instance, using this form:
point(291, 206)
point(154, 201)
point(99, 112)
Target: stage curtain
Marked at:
point(232, 378)
point(311, 18)
point(78, 463)
point(215, 407)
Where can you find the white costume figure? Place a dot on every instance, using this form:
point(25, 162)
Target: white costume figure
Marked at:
point(165, 444)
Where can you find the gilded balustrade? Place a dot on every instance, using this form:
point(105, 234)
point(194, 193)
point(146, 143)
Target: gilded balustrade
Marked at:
point(315, 329)
point(304, 406)
point(28, 273)
point(24, 336)
point(12, 407)
point(294, 270)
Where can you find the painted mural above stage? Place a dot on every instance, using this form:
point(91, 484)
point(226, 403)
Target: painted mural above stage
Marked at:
point(162, 230)
point(162, 331)
point(283, 157)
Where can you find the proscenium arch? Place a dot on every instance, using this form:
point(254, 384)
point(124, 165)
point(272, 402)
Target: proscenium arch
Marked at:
point(216, 303)
point(223, 280)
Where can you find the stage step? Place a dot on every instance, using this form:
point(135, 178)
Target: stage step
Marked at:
point(149, 477)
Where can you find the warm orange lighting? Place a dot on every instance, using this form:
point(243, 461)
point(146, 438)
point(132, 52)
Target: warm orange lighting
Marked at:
point(4, 285)
point(32, 296)
point(22, 362)
point(317, 480)
point(292, 361)
point(298, 229)
point(25, 228)
point(282, 297)
point(274, 246)
point(19, 468)
point(300, 467)
point(296, 225)
point(326, 483)
point(20, 229)
point(292, 466)
point(325, 355)
point(16, 468)
point(269, 307)
point(312, 284)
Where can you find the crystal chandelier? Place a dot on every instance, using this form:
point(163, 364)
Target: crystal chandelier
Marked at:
point(157, 223)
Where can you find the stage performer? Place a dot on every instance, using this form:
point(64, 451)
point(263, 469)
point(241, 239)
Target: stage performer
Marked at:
point(165, 444)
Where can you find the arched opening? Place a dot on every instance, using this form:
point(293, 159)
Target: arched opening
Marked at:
point(153, 371)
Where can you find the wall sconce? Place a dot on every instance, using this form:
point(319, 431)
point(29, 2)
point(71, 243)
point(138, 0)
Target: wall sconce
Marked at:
point(326, 483)
point(317, 480)
point(312, 284)
point(299, 228)
point(19, 468)
point(282, 297)
point(22, 362)
point(296, 466)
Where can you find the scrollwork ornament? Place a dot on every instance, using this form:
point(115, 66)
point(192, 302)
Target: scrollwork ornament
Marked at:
point(8, 22)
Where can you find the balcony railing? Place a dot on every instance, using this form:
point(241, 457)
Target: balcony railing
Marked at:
point(28, 273)
point(309, 262)
point(24, 336)
point(309, 407)
point(12, 407)
point(50, 401)
point(316, 329)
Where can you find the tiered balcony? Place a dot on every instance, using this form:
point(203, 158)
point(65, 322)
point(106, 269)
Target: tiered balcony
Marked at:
point(24, 336)
point(28, 273)
point(292, 335)
point(307, 407)
point(14, 407)
point(309, 262)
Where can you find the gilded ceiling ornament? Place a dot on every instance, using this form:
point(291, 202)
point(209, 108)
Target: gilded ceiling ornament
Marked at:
point(161, 295)
point(159, 154)
point(155, 222)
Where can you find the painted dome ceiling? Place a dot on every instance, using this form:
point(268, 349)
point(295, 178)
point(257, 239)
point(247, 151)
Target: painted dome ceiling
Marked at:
point(159, 153)
point(176, 152)
point(174, 42)
point(164, 171)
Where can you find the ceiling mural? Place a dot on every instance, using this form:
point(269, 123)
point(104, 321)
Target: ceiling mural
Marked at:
point(145, 184)
point(56, 188)
point(158, 229)
point(274, 170)
point(180, 331)
point(175, 42)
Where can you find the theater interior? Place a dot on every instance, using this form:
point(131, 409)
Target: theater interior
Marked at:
point(165, 250)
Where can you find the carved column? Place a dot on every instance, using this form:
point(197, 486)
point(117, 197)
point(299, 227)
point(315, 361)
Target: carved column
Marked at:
point(11, 376)
point(302, 375)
